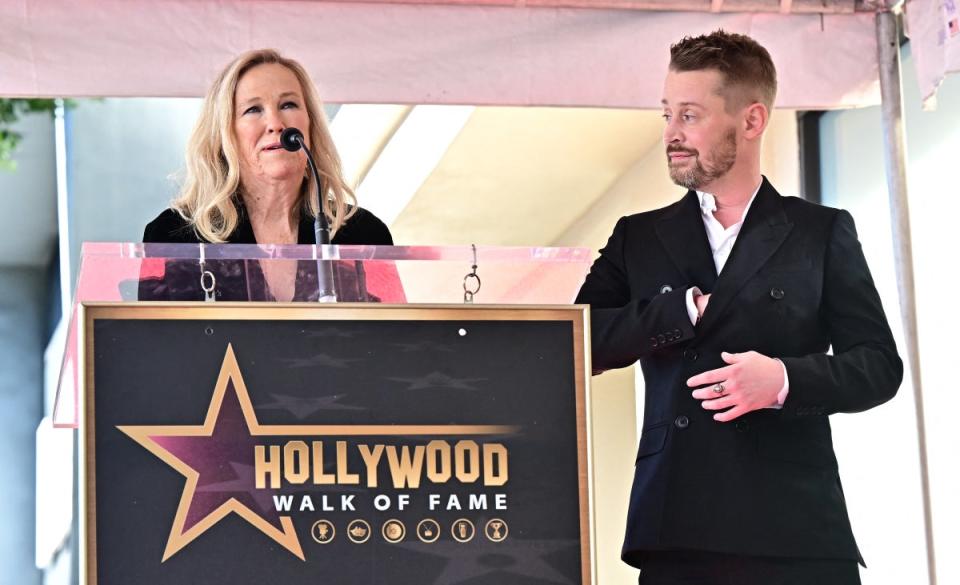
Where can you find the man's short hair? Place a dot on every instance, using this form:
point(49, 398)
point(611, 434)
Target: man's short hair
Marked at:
point(747, 69)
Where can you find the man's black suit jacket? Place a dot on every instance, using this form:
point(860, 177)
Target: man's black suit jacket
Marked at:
point(795, 285)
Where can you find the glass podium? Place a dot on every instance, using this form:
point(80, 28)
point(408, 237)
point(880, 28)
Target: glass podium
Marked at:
point(393, 275)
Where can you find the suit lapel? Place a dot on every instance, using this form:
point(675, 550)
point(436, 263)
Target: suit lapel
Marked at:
point(685, 241)
point(764, 230)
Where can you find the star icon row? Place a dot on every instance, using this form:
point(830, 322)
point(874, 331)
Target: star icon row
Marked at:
point(393, 531)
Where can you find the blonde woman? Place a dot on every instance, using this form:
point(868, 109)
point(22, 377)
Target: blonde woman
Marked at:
point(242, 187)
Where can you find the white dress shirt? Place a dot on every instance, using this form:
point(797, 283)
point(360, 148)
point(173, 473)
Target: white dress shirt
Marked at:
point(721, 244)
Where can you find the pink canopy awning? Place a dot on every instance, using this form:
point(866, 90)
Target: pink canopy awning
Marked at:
point(416, 53)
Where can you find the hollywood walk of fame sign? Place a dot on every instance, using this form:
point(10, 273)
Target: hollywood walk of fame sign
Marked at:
point(242, 443)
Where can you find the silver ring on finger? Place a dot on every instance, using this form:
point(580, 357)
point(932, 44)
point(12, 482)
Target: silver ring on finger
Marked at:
point(718, 388)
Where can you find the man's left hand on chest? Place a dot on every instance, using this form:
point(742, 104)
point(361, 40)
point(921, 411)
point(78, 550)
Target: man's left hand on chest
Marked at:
point(750, 382)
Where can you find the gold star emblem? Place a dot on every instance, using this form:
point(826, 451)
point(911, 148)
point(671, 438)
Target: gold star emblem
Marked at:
point(160, 440)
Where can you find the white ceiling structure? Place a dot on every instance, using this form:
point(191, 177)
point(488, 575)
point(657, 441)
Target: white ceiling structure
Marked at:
point(524, 175)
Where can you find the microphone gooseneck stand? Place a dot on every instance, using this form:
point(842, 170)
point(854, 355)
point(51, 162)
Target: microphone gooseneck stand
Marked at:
point(292, 139)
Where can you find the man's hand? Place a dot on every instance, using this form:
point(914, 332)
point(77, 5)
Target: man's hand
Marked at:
point(752, 381)
point(701, 302)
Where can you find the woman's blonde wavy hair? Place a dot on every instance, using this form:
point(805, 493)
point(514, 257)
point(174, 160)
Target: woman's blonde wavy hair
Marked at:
point(208, 199)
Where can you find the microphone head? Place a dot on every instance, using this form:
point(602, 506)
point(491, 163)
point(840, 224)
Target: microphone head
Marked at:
point(291, 139)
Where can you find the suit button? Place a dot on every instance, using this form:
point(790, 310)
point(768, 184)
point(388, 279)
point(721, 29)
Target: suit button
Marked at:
point(681, 422)
point(665, 289)
point(677, 333)
point(776, 293)
point(653, 342)
point(661, 338)
point(690, 355)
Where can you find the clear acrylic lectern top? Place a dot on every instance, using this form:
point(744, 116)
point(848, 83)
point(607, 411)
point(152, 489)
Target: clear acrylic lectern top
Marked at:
point(310, 274)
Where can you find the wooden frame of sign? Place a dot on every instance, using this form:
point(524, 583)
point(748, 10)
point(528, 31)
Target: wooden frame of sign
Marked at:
point(348, 443)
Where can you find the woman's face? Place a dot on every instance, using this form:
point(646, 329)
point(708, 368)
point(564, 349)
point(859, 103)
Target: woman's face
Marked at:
point(268, 100)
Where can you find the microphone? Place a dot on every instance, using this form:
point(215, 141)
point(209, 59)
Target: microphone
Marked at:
point(292, 139)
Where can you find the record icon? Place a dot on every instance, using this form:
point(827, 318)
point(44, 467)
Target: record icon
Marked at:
point(393, 531)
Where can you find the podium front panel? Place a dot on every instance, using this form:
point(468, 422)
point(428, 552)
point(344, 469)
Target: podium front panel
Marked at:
point(350, 444)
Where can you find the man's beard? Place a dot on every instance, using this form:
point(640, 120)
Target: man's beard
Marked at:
point(722, 158)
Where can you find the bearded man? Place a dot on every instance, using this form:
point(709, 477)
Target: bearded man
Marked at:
point(730, 299)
